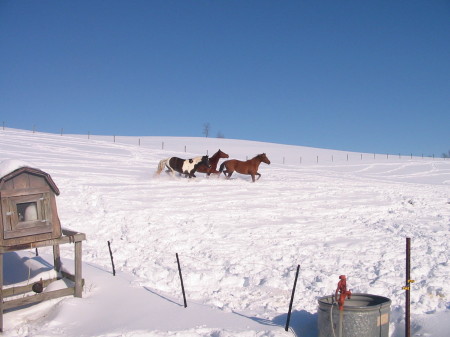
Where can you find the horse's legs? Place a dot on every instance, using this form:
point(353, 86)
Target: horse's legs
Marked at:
point(259, 175)
point(229, 174)
point(170, 170)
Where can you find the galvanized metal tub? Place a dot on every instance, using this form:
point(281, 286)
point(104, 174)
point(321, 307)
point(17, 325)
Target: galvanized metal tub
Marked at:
point(363, 315)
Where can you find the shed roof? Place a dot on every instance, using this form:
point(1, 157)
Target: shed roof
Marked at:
point(30, 170)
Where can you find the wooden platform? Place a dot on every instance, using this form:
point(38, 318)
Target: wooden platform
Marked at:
point(67, 237)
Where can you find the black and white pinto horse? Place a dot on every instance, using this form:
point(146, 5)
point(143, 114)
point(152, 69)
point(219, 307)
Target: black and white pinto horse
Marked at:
point(183, 166)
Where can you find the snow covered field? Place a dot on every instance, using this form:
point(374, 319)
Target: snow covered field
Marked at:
point(239, 243)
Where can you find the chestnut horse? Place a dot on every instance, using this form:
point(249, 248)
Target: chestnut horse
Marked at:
point(213, 161)
point(244, 167)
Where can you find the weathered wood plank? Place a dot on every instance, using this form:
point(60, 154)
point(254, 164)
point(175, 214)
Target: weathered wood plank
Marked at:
point(35, 229)
point(38, 298)
point(21, 181)
point(1, 293)
point(71, 277)
point(78, 270)
point(56, 258)
point(37, 181)
point(24, 289)
point(23, 192)
point(65, 239)
point(69, 232)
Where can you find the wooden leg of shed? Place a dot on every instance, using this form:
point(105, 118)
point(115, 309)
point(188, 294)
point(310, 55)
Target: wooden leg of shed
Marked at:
point(56, 258)
point(78, 271)
point(1, 292)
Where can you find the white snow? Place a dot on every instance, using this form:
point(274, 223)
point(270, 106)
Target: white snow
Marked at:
point(10, 165)
point(239, 242)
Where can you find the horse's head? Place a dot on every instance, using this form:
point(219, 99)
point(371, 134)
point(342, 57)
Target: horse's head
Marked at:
point(264, 158)
point(222, 154)
point(205, 161)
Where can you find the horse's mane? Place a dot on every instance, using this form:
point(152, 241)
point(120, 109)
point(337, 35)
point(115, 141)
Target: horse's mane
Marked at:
point(215, 155)
point(258, 155)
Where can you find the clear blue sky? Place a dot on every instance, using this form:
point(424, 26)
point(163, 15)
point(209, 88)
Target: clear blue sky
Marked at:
point(365, 76)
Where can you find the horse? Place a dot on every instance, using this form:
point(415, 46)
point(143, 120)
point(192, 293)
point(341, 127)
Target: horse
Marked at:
point(183, 166)
point(244, 167)
point(213, 160)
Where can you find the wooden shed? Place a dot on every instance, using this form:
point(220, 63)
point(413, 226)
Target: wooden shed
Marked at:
point(29, 220)
point(28, 207)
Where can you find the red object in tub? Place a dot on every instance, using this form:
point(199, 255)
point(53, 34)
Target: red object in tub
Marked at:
point(342, 292)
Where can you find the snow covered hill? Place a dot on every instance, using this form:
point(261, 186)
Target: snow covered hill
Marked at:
point(239, 242)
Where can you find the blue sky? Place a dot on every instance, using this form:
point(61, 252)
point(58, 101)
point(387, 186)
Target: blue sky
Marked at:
point(364, 76)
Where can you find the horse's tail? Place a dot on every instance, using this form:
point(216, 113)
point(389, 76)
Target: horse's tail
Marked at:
point(161, 165)
point(222, 166)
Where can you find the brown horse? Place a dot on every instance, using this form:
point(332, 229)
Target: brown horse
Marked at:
point(213, 161)
point(244, 167)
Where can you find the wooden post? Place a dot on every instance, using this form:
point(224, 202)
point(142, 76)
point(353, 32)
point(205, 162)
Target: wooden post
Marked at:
point(1, 292)
point(181, 279)
point(62, 131)
point(292, 300)
point(162, 146)
point(112, 260)
point(56, 258)
point(408, 288)
point(78, 270)
point(89, 134)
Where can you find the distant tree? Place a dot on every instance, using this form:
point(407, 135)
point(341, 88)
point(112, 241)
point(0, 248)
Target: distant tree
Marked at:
point(206, 129)
point(220, 135)
point(446, 155)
